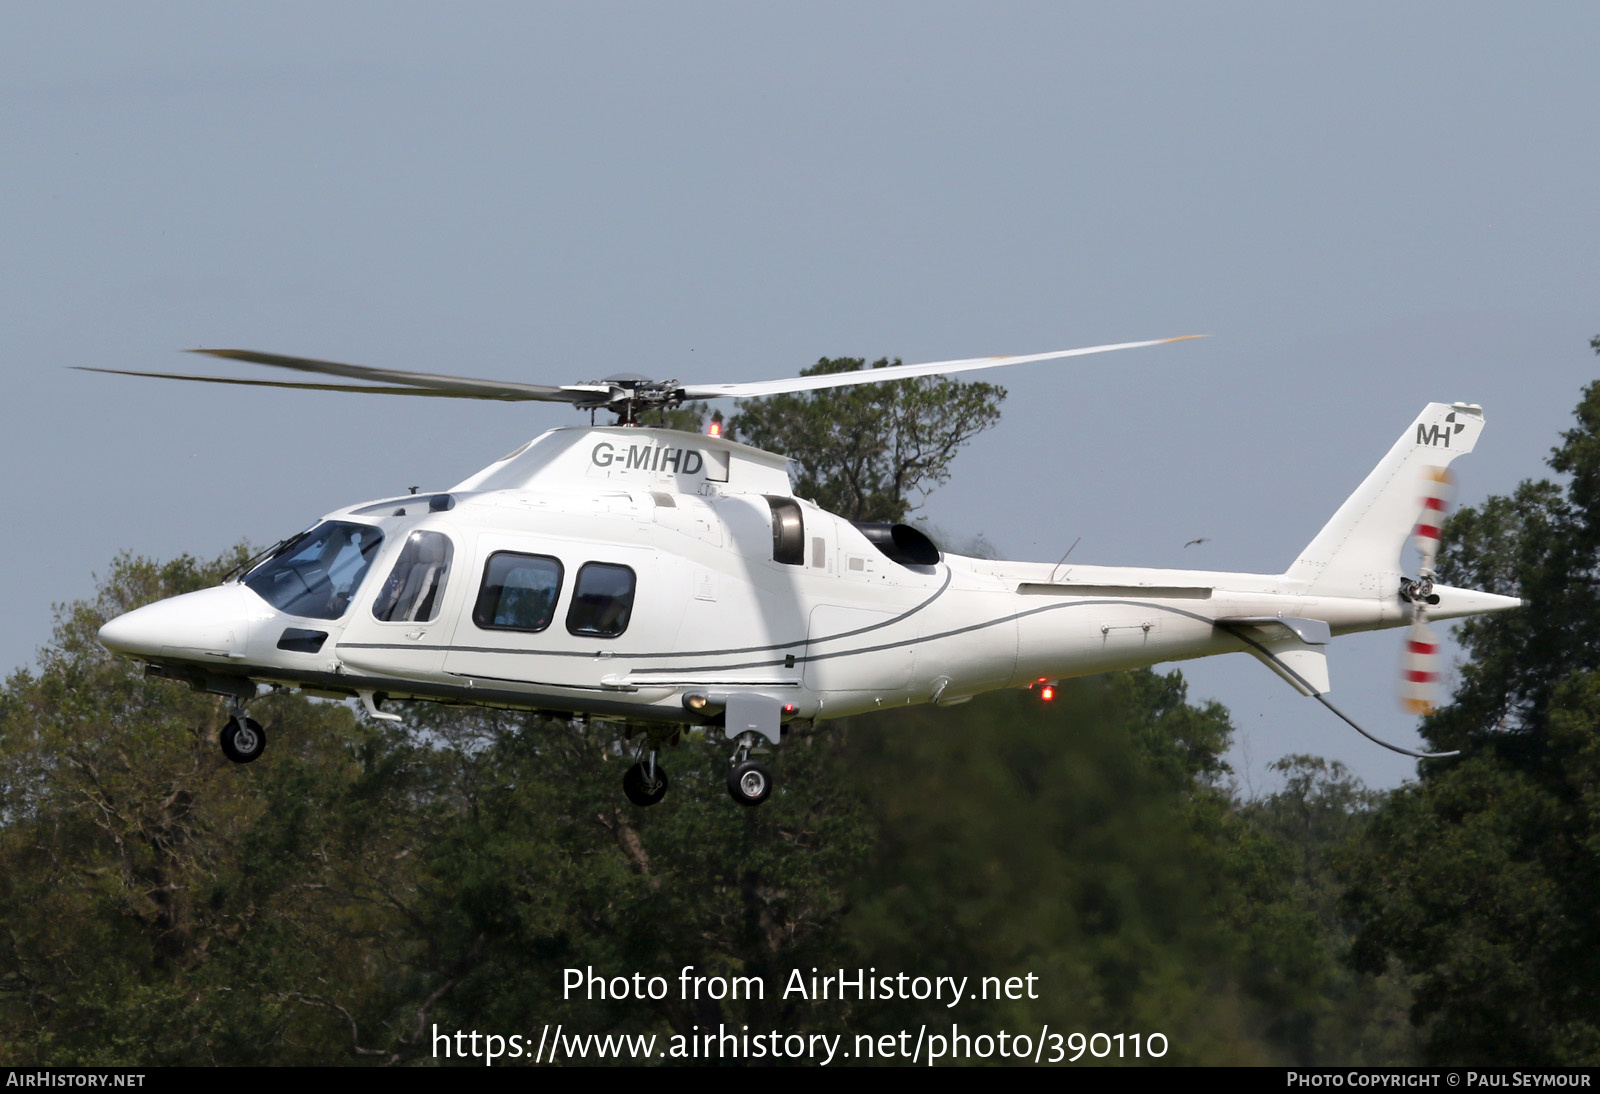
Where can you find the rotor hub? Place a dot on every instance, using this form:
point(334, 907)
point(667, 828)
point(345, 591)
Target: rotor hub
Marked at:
point(628, 394)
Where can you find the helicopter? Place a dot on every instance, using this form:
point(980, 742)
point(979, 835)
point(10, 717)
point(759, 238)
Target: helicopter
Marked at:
point(671, 581)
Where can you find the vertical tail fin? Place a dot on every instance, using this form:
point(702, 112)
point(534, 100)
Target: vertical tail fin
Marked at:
point(1357, 553)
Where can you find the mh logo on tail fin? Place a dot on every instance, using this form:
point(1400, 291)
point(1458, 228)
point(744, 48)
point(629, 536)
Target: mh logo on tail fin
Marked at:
point(1436, 437)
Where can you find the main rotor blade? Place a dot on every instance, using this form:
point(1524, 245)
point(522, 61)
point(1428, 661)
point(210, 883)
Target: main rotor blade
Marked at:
point(387, 381)
point(460, 386)
point(433, 393)
point(898, 372)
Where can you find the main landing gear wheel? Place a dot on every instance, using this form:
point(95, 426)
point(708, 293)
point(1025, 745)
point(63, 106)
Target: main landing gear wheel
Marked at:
point(749, 783)
point(243, 740)
point(641, 788)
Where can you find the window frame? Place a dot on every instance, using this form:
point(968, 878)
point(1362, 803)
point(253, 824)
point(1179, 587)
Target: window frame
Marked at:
point(577, 600)
point(441, 582)
point(263, 579)
point(483, 587)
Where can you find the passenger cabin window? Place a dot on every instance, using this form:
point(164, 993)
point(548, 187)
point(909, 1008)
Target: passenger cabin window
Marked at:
point(316, 574)
point(602, 600)
point(788, 531)
point(519, 592)
point(416, 584)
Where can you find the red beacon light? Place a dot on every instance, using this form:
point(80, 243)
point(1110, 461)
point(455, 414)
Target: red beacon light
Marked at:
point(714, 429)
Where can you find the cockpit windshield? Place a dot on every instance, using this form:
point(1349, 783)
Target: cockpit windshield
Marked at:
point(318, 572)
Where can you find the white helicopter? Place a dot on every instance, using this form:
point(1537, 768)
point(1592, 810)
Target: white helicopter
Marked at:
point(670, 580)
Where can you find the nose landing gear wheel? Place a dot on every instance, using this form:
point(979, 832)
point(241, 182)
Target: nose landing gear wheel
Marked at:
point(641, 788)
point(749, 783)
point(243, 740)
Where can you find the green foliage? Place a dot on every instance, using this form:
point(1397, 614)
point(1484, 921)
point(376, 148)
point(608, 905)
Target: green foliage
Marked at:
point(688, 418)
point(872, 451)
point(1311, 827)
point(1029, 839)
point(1085, 841)
point(699, 882)
point(127, 847)
point(1481, 879)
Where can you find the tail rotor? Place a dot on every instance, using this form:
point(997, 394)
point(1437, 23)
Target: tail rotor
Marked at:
point(1419, 667)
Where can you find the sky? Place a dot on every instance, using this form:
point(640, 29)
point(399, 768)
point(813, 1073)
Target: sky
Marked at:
point(1367, 206)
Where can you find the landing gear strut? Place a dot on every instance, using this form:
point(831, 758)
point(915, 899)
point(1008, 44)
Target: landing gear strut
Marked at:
point(646, 781)
point(749, 781)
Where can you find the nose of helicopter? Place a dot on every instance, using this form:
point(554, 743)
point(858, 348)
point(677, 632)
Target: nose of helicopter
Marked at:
point(210, 622)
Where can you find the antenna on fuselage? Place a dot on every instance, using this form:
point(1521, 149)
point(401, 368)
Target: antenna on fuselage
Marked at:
point(1058, 565)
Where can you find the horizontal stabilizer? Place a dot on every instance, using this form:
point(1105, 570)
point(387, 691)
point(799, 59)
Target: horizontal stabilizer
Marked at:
point(1290, 646)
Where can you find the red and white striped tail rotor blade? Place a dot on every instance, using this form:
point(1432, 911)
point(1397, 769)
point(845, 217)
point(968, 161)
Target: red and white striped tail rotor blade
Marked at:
point(1438, 488)
point(1419, 671)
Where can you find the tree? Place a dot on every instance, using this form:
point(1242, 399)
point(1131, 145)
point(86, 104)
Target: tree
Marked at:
point(870, 452)
point(1313, 822)
point(143, 876)
point(1480, 879)
point(1089, 841)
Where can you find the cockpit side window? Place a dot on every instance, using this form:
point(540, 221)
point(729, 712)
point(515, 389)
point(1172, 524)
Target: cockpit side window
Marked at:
point(519, 592)
point(416, 584)
point(602, 601)
point(316, 574)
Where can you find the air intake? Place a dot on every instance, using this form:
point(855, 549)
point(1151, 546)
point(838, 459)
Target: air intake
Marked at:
point(900, 543)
